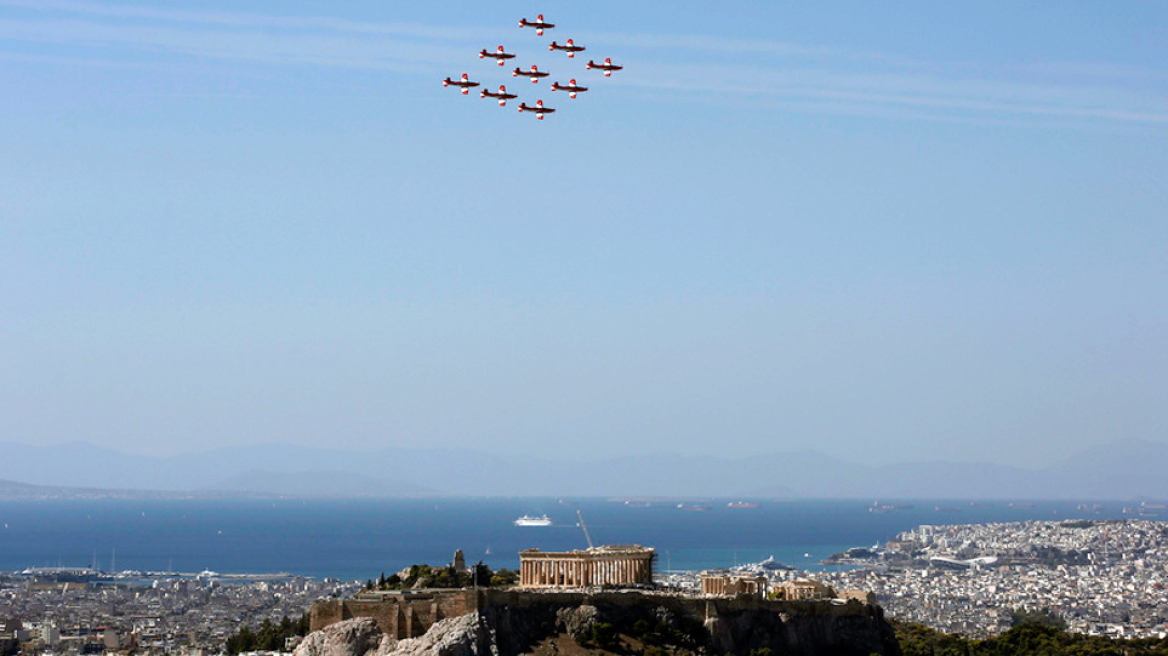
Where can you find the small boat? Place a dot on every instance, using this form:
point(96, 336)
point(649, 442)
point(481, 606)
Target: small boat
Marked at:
point(882, 508)
point(528, 520)
point(742, 504)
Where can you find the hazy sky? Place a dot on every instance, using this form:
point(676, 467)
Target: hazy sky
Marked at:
point(887, 231)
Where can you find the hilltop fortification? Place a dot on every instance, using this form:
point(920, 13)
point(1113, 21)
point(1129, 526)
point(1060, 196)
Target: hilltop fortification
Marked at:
point(510, 622)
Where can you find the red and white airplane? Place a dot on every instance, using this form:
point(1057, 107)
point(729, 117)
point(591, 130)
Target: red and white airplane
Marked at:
point(570, 87)
point(569, 47)
point(498, 55)
point(539, 109)
point(503, 96)
point(464, 83)
point(538, 24)
point(534, 73)
point(608, 67)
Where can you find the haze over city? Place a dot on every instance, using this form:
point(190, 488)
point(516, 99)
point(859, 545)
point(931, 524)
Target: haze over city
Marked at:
point(887, 234)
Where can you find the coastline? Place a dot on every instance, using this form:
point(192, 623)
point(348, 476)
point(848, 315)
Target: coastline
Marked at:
point(353, 539)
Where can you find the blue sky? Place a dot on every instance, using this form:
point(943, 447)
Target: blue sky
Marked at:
point(889, 233)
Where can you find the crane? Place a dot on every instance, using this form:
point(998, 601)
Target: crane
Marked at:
point(585, 527)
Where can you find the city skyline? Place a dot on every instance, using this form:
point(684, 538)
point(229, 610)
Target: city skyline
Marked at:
point(885, 234)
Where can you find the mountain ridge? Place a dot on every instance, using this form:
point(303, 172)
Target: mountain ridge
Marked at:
point(1123, 470)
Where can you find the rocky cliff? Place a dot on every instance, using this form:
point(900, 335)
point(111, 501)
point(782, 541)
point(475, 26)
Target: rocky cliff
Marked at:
point(455, 636)
point(509, 623)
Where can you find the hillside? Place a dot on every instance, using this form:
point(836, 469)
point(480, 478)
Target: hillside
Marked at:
point(627, 622)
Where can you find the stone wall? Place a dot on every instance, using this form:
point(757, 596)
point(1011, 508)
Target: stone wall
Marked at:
point(519, 619)
point(404, 614)
point(727, 625)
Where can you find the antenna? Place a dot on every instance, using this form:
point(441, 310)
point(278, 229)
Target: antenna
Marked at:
point(585, 527)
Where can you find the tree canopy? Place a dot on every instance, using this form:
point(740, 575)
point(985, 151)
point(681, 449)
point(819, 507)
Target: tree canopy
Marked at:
point(425, 576)
point(1028, 638)
point(270, 636)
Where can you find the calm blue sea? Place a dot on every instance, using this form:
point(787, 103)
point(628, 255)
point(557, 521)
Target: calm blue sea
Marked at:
point(358, 539)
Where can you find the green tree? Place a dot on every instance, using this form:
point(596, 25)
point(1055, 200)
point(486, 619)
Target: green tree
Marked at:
point(481, 575)
point(504, 578)
point(604, 635)
point(270, 636)
point(1044, 617)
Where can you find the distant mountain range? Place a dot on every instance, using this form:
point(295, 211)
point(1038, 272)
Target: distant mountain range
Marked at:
point(1122, 470)
point(13, 490)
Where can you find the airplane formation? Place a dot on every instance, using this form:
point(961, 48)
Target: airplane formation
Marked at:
point(500, 55)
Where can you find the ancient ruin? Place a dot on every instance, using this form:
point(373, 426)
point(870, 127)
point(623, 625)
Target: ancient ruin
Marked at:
point(725, 583)
point(613, 565)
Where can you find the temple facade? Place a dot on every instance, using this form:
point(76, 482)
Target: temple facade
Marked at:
point(724, 583)
point(598, 566)
point(803, 589)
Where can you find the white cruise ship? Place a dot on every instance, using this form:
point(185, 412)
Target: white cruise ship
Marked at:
point(528, 520)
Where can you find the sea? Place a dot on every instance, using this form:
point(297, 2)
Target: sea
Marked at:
point(355, 540)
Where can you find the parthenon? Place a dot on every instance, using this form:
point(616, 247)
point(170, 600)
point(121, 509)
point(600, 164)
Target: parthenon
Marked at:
point(607, 565)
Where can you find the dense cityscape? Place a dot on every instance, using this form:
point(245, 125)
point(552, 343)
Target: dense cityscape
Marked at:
point(1104, 577)
point(67, 611)
point(1099, 577)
